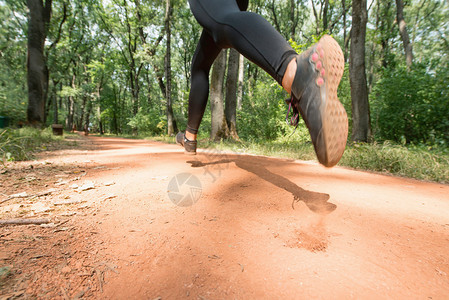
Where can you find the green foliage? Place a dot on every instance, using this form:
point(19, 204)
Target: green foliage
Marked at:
point(68, 91)
point(13, 92)
point(412, 161)
point(15, 109)
point(149, 122)
point(19, 144)
point(263, 114)
point(108, 58)
point(411, 106)
point(344, 95)
point(417, 162)
point(301, 47)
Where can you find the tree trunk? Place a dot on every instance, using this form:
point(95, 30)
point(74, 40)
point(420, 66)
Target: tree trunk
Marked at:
point(53, 102)
point(37, 76)
point(218, 120)
point(361, 128)
point(71, 105)
point(404, 33)
point(231, 93)
point(345, 48)
point(240, 82)
point(71, 108)
point(86, 124)
point(116, 109)
point(292, 18)
point(82, 112)
point(100, 122)
point(55, 109)
point(171, 123)
point(325, 17)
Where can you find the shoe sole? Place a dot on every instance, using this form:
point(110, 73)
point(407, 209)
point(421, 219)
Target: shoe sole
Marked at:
point(334, 117)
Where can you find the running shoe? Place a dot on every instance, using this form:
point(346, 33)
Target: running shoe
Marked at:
point(189, 146)
point(314, 95)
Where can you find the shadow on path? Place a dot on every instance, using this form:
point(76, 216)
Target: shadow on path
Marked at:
point(316, 202)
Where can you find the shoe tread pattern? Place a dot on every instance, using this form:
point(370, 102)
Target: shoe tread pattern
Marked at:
point(335, 119)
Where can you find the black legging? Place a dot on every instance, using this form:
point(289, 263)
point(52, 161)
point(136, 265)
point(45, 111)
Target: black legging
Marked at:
point(227, 24)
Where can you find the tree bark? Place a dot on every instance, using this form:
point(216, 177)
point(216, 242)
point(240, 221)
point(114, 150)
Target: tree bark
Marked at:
point(231, 93)
point(71, 104)
point(361, 127)
point(37, 75)
point(116, 109)
point(325, 17)
point(345, 48)
point(171, 123)
point(317, 27)
point(218, 121)
point(240, 82)
point(384, 31)
point(55, 106)
point(86, 123)
point(404, 33)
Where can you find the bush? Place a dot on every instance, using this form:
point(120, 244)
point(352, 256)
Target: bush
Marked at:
point(150, 122)
point(413, 161)
point(263, 115)
point(19, 144)
point(411, 106)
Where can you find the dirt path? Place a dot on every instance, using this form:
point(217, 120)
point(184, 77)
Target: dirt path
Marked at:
point(260, 228)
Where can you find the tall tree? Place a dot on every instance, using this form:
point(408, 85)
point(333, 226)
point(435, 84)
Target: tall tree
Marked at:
point(171, 123)
point(240, 82)
point(345, 29)
point(231, 93)
point(219, 128)
point(404, 33)
point(37, 76)
point(361, 127)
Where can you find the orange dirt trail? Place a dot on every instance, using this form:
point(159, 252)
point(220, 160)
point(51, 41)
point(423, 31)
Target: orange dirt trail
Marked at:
point(262, 228)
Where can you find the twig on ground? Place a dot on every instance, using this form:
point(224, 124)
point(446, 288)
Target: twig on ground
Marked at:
point(243, 268)
point(25, 195)
point(63, 222)
point(24, 222)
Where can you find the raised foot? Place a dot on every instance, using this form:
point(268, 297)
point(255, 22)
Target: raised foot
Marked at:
point(189, 146)
point(314, 92)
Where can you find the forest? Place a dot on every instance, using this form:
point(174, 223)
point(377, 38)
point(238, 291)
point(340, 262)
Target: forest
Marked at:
point(123, 67)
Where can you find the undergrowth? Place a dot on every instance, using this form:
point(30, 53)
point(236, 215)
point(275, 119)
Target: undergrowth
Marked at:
point(412, 161)
point(418, 162)
point(20, 144)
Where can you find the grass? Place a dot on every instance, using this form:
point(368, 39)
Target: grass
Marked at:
point(21, 144)
point(418, 162)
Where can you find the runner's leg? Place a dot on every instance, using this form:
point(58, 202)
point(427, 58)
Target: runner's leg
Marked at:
point(204, 57)
point(249, 33)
